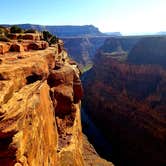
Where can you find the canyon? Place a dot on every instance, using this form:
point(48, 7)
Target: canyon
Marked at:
point(125, 98)
point(83, 49)
point(123, 111)
point(40, 100)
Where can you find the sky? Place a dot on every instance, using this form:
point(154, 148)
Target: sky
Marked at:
point(125, 16)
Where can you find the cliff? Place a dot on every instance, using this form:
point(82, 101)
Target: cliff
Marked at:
point(127, 102)
point(149, 50)
point(40, 99)
point(83, 49)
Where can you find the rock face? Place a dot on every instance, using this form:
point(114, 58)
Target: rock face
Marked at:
point(117, 44)
point(82, 49)
point(24, 117)
point(149, 50)
point(127, 102)
point(40, 93)
point(22, 42)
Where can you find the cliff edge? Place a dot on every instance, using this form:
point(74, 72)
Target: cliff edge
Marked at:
point(40, 99)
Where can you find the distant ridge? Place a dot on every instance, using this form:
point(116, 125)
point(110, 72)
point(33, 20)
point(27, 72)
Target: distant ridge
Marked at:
point(64, 30)
point(161, 33)
point(113, 33)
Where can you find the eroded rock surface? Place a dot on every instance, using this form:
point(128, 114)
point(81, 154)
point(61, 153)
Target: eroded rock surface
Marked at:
point(40, 93)
point(127, 102)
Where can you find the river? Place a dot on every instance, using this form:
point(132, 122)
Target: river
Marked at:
point(95, 136)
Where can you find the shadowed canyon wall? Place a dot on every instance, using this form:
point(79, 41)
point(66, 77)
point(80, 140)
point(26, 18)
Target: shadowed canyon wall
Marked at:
point(149, 50)
point(127, 102)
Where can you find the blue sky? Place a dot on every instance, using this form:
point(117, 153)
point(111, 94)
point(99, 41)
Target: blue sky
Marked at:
point(126, 16)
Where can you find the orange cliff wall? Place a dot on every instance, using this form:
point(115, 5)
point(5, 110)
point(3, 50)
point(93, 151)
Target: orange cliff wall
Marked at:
point(40, 99)
point(30, 130)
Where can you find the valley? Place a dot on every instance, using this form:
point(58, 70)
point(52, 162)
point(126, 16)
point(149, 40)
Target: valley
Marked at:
point(126, 100)
point(124, 82)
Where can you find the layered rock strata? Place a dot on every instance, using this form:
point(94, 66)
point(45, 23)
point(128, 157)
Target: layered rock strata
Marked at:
point(127, 102)
point(40, 93)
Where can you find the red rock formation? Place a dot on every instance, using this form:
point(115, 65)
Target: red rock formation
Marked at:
point(16, 47)
point(31, 36)
point(25, 36)
point(127, 103)
point(66, 87)
point(40, 45)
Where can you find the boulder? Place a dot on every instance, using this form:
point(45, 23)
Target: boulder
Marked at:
point(15, 47)
point(66, 87)
point(31, 36)
point(40, 45)
point(13, 36)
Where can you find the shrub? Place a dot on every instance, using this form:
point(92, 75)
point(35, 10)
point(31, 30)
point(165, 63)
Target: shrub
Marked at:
point(47, 35)
point(15, 29)
point(51, 39)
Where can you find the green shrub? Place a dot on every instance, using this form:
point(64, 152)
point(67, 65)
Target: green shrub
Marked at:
point(47, 35)
point(51, 39)
point(15, 29)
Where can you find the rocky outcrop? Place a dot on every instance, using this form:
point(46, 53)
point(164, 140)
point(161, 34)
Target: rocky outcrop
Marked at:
point(25, 36)
point(21, 45)
point(40, 94)
point(37, 45)
point(15, 47)
point(127, 103)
